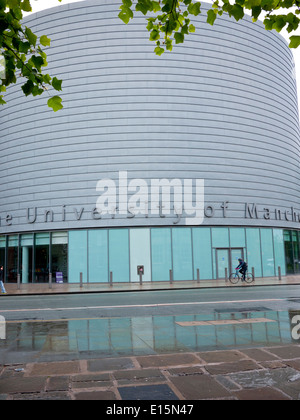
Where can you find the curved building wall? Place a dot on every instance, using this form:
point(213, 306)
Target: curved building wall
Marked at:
point(221, 108)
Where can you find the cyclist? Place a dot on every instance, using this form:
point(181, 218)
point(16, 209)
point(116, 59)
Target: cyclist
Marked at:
point(242, 267)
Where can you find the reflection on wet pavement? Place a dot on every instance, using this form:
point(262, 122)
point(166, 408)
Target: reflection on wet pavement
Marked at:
point(75, 339)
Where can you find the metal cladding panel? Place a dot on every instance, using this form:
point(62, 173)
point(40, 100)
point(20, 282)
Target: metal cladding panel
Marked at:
point(222, 107)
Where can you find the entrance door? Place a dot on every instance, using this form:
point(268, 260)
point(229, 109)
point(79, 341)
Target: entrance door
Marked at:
point(227, 258)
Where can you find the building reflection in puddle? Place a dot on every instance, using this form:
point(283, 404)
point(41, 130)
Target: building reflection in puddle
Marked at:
point(86, 338)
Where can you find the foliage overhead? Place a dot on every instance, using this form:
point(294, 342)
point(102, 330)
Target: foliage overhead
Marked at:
point(22, 53)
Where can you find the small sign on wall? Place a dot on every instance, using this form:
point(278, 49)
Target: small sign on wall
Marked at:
point(59, 277)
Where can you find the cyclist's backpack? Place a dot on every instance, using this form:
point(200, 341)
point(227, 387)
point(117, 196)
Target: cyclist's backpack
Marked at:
point(246, 265)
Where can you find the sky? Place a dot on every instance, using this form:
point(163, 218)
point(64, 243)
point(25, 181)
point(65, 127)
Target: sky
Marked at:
point(38, 5)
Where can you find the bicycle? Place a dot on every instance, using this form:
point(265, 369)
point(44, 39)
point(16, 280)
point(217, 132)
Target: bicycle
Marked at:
point(235, 277)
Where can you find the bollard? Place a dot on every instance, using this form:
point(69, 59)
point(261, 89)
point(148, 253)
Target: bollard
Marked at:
point(171, 276)
point(19, 281)
point(279, 272)
point(80, 277)
point(110, 278)
point(50, 280)
point(141, 277)
point(198, 275)
point(226, 274)
point(252, 270)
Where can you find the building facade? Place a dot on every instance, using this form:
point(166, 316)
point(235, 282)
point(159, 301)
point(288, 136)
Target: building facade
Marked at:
point(183, 162)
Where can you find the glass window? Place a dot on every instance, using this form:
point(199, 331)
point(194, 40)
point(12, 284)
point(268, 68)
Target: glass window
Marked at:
point(2, 250)
point(182, 254)
point(26, 254)
point(253, 257)
point(267, 252)
point(295, 251)
point(12, 258)
point(77, 255)
point(140, 253)
point(161, 254)
point(41, 259)
point(59, 256)
point(237, 237)
point(279, 251)
point(288, 248)
point(202, 252)
point(119, 254)
point(220, 238)
point(98, 256)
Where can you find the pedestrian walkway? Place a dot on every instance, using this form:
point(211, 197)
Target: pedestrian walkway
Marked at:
point(266, 373)
point(45, 288)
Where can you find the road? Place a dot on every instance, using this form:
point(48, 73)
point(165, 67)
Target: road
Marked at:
point(173, 302)
point(62, 327)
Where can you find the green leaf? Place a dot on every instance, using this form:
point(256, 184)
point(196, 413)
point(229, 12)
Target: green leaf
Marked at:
point(56, 83)
point(154, 35)
point(45, 41)
point(192, 28)
point(237, 12)
point(126, 15)
point(32, 38)
point(294, 41)
point(211, 17)
point(179, 38)
point(28, 87)
point(194, 9)
point(25, 5)
point(55, 103)
point(159, 51)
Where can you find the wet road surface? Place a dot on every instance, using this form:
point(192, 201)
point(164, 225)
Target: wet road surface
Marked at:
point(75, 327)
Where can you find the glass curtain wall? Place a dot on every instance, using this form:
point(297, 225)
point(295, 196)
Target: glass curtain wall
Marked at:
point(26, 258)
point(12, 258)
point(292, 254)
point(59, 256)
point(33, 256)
point(41, 257)
point(186, 251)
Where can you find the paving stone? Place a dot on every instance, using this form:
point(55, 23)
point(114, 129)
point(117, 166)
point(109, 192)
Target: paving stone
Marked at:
point(95, 395)
point(55, 368)
point(274, 364)
point(286, 380)
point(186, 370)
point(58, 383)
point(294, 363)
point(266, 393)
point(167, 360)
point(227, 383)
point(57, 396)
point(225, 368)
point(146, 375)
point(96, 377)
point(199, 387)
point(221, 356)
point(259, 355)
point(11, 385)
point(287, 352)
point(147, 392)
point(110, 364)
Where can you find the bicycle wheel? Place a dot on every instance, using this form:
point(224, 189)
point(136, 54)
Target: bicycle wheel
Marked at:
point(234, 278)
point(249, 278)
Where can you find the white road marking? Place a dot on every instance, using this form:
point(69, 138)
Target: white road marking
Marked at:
point(149, 305)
